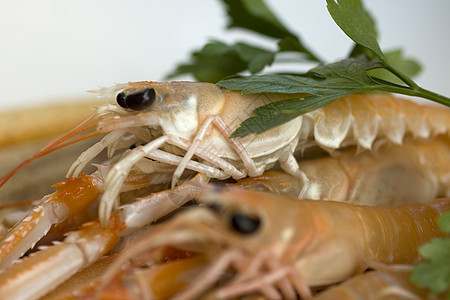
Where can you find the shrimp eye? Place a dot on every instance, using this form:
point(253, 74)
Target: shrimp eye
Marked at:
point(245, 224)
point(137, 101)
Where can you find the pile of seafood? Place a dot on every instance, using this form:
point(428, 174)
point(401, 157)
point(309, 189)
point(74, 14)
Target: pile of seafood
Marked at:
point(333, 204)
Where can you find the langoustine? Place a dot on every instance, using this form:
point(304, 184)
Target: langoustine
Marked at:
point(188, 125)
point(279, 247)
point(403, 161)
point(130, 127)
point(196, 119)
point(369, 179)
point(205, 108)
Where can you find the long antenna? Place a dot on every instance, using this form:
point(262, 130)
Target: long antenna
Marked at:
point(58, 143)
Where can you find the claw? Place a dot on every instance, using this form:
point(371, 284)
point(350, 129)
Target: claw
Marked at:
point(72, 197)
point(92, 152)
point(59, 262)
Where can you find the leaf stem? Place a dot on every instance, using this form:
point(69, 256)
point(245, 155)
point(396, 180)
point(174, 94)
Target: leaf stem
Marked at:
point(421, 92)
point(418, 92)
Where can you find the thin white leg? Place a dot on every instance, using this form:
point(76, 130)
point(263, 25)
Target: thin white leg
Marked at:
point(226, 132)
point(174, 160)
point(208, 156)
point(289, 164)
point(116, 176)
point(92, 152)
point(149, 209)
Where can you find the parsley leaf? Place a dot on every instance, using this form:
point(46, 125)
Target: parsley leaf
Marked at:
point(320, 85)
point(407, 65)
point(435, 272)
point(356, 22)
point(347, 74)
point(213, 62)
point(367, 69)
point(254, 15)
point(332, 81)
point(217, 60)
point(444, 222)
point(256, 57)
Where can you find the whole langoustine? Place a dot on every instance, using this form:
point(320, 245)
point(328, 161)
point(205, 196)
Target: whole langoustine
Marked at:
point(188, 125)
point(280, 247)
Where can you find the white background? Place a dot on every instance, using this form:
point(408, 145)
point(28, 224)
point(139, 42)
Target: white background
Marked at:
point(51, 50)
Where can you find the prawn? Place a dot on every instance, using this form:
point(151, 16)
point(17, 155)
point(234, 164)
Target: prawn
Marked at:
point(158, 125)
point(416, 161)
point(363, 179)
point(421, 162)
point(280, 247)
point(189, 124)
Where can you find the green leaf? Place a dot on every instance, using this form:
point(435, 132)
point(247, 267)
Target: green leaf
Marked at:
point(215, 48)
point(434, 273)
point(256, 57)
point(356, 22)
point(359, 50)
point(437, 249)
point(407, 66)
point(444, 222)
point(293, 43)
point(216, 60)
point(347, 74)
point(277, 113)
point(254, 15)
point(323, 84)
point(320, 86)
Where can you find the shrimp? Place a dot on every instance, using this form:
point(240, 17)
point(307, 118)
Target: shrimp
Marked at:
point(367, 178)
point(189, 124)
point(68, 198)
point(158, 127)
point(278, 246)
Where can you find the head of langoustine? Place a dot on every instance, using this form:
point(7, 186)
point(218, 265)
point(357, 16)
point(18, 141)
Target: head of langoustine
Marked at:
point(227, 219)
point(235, 219)
point(252, 220)
point(168, 107)
point(231, 224)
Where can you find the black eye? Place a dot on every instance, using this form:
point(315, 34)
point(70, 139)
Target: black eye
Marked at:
point(137, 101)
point(245, 224)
